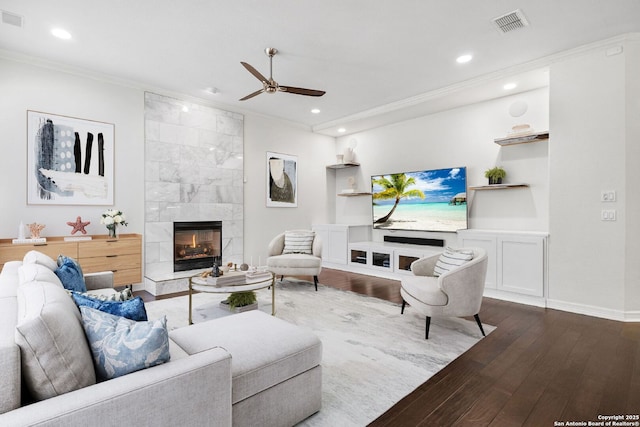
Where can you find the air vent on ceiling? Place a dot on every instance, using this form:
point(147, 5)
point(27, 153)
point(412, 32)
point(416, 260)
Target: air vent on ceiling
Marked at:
point(510, 21)
point(12, 19)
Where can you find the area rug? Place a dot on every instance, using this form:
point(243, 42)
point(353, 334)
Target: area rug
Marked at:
point(372, 355)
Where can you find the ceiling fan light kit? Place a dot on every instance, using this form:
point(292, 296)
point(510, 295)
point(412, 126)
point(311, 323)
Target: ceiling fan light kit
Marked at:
point(270, 85)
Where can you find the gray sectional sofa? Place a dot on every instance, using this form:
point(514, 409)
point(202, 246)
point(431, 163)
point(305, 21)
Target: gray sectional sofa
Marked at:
point(247, 369)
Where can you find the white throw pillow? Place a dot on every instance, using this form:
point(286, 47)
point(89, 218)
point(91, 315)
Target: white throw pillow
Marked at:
point(55, 354)
point(298, 242)
point(451, 259)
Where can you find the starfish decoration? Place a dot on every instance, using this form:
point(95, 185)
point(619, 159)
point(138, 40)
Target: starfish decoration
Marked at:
point(78, 226)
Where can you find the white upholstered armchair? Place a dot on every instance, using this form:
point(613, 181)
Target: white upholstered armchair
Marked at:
point(441, 286)
point(295, 253)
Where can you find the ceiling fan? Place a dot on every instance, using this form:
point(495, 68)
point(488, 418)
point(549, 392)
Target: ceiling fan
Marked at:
point(271, 86)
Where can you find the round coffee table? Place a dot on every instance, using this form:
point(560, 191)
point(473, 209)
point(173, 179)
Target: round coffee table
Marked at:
point(198, 283)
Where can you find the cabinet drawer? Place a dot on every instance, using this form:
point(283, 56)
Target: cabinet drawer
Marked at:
point(106, 263)
point(17, 252)
point(100, 248)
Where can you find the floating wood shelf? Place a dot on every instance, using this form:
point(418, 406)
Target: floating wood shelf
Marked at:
point(353, 194)
point(343, 165)
point(522, 139)
point(498, 186)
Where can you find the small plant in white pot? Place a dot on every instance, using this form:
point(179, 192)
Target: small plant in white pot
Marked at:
point(495, 175)
point(241, 301)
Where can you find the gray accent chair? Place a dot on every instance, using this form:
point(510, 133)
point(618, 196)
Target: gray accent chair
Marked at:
point(294, 264)
point(457, 293)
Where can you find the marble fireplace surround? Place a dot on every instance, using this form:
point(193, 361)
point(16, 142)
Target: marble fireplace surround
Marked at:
point(193, 172)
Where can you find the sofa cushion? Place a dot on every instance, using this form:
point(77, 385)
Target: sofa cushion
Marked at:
point(9, 279)
point(54, 351)
point(425, 289)
point(452, 259)
point(132, 309)
point(286, 350)
point(37, 272)
point(37, 257)
point(294, 261)
point(121, 346)
point(298, 242)
point(70, 274)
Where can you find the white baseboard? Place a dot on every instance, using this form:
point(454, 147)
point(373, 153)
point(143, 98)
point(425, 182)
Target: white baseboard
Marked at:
point(590, 310)
point(517, 298)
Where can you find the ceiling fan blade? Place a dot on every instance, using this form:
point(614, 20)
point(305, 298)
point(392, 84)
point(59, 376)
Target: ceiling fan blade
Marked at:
point(255, 72)
point(251, 95)
point(301, 91)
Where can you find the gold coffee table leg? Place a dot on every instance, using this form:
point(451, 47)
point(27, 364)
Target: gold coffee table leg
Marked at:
point(190, 303)
point(273, 296)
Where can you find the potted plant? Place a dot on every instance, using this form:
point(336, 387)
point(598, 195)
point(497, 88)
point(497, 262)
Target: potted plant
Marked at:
point(495, 175)
point(237, 300)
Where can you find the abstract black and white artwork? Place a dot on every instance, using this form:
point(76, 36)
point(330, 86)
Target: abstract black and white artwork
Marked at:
point(282, 180)
point(70, 160)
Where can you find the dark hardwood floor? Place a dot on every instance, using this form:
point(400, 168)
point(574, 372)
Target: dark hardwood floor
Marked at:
point(539, 366)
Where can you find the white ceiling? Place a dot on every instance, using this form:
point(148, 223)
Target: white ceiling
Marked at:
point(370, 56)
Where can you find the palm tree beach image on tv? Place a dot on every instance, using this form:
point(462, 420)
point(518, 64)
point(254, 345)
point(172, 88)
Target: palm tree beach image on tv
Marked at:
point(429, 200)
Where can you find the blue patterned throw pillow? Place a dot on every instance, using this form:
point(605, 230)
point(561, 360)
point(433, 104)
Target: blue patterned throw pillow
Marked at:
point(70, 274)
point(132, 309)
point(121, 346)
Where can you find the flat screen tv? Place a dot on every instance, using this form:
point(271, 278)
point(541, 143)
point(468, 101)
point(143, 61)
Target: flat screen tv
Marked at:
point(428, 200)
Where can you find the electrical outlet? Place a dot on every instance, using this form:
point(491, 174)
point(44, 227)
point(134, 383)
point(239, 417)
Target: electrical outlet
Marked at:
point(608, 215)
point(608, 196)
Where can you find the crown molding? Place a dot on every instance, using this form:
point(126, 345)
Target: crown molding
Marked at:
point(443, 92)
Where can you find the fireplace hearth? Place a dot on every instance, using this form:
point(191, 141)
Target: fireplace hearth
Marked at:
point(196, 245)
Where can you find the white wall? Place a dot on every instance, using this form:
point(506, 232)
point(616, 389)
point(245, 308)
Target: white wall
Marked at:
point(632, 250)
point(27, 87)
point(459, 137)
point(590, 126)
point(315, 203)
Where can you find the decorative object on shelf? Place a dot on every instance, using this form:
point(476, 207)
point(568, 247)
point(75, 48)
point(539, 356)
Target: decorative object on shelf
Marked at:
point(35, 229)
point(520, 130)
point(282, 180)
point(339, 158)
point(352, 186)
point(21, 235)
point(64, 169)
point(244, 267)
point(495, 175)
point(349, 153)
point(78, 225)
point(112, 218)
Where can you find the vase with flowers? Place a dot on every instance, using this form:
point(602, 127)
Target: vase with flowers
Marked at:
point(112, 218)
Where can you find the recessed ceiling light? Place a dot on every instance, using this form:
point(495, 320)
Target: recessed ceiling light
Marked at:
point(185, 108)
point(342, 130)
point(463, 59)
point(315, 111)
point(509, 86)
point(61, 34)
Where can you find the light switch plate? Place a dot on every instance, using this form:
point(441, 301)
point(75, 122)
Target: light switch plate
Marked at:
point(608, 196)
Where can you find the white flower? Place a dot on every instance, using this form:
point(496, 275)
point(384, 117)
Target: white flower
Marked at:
point(113, 216)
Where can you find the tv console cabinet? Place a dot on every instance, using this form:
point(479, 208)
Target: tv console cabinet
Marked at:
point(122, 255)
point(517, 268)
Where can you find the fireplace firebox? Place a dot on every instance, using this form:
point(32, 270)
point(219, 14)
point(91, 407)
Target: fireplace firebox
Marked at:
point(196, 244)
